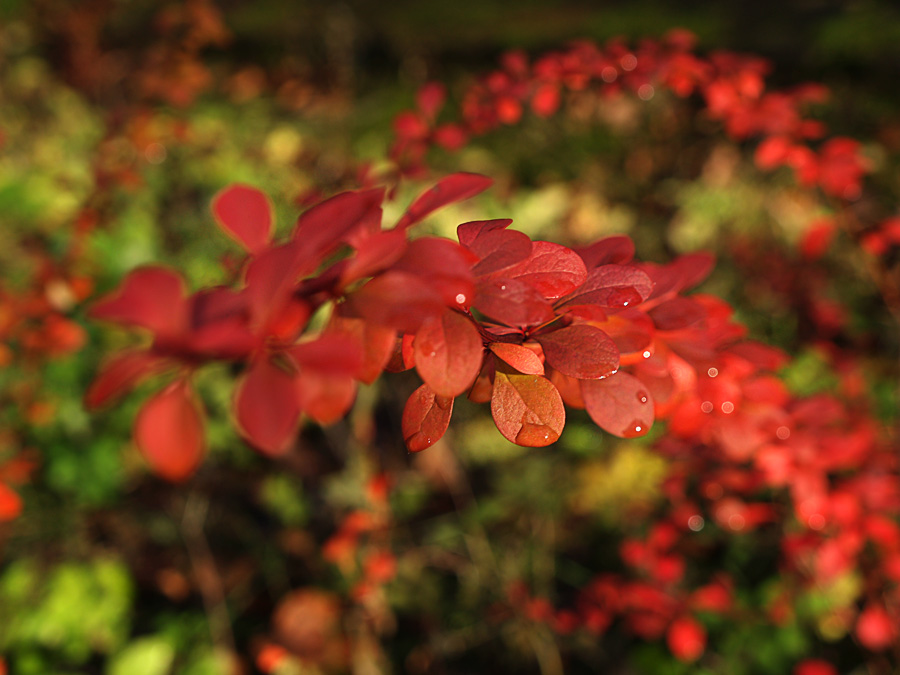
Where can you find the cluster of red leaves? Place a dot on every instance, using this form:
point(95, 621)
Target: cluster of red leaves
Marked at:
point(732, 87)
point(526, 326)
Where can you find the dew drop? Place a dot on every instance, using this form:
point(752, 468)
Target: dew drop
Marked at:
point(623, 297)
point(696, 523)
point(502, 287)
point(728, 407)
point(642, 397)
point(636, 428)
point(535, 435)
point(460, 299)
point(629, 62)
point(783, 433)
point(712, 372)
point(707, 406)
point(646, 354)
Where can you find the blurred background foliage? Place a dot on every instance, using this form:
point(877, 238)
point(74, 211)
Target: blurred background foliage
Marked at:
point(132, 114)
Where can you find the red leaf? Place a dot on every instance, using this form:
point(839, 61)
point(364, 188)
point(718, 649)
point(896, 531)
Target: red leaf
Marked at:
point(337, 219)
point(519, 357)
point(10, 503)
point(430, 98)
point(615, 250)
point(453, 188)
point(527, 409)
point(150, 297)
point(376, 342)
point(679, 312)
point(682, 273)
point(330, 354)
point(686, 639)
point(616, 286)
point(467, 233)
point(245, 215)
point(325, 398)
point(374, 253)
point(396, 299)
point(426, 417)
point(442, 265)
point(271, 279)
point(814, 667)
point(512, 302)
point(121, 374)
point(169, 432)
point(266, 407)
point(619, 404)
point(874, 628)
point(580, 351)
point(448, 353)
point(552, 270)
point(499, 250)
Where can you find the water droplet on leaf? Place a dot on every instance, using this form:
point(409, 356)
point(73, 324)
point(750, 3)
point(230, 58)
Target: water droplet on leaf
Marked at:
point(635, 429)
point(623, 297)
point(642, 397)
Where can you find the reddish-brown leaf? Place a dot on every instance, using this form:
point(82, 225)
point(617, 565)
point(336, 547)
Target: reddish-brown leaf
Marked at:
point(150, 297)
point(245, 215)
point(448, 353)
point(679, 312)
point(519, 357)
point(527, 409)
point(552, 270)
point(467, 233)
point(580, 351)
point(614, 286)
point(453, 188)
point(121, 374)
point(426, 417)
point(512, 302)
point(620, 404)
point(169, 432)
point(682, 273)
point(266, 407)
point(271, 279)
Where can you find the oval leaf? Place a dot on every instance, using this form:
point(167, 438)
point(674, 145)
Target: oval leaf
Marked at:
point(519, 357)
point(580, 351)
point(245, 215)
point(266, 407)
point(620, 404)
point(448, 353)
point(615, 286)
point(552, 270)
point(169, 432)
point(426, 417)
point(527, 409)
point(120, 375)
point(512, 302)
point(150, 297)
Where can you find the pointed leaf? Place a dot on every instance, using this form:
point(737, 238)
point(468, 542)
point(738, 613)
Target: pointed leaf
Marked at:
point(615, 250)
point(453, 188)
point(448, 353)
point(580, 351)
point(467, 233)
point(169, 432)
point(150, 297)
point(519, 357)
point(245, 215)
point(121, 374)
point(620, 404)
point(426, 417)
point(266, 407)
point(527, 409)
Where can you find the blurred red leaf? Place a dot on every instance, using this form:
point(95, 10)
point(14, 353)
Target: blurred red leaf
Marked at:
point(266, 407)
point(121, 374)
point(686, 639)
point(327, 224)
point(615, 286)
point(245, 214)
point(10, 503)
point(875, 629)
point(615, 250)
point(453, 188)
point(512, 302)
point(150, 297)
point(169, 432)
